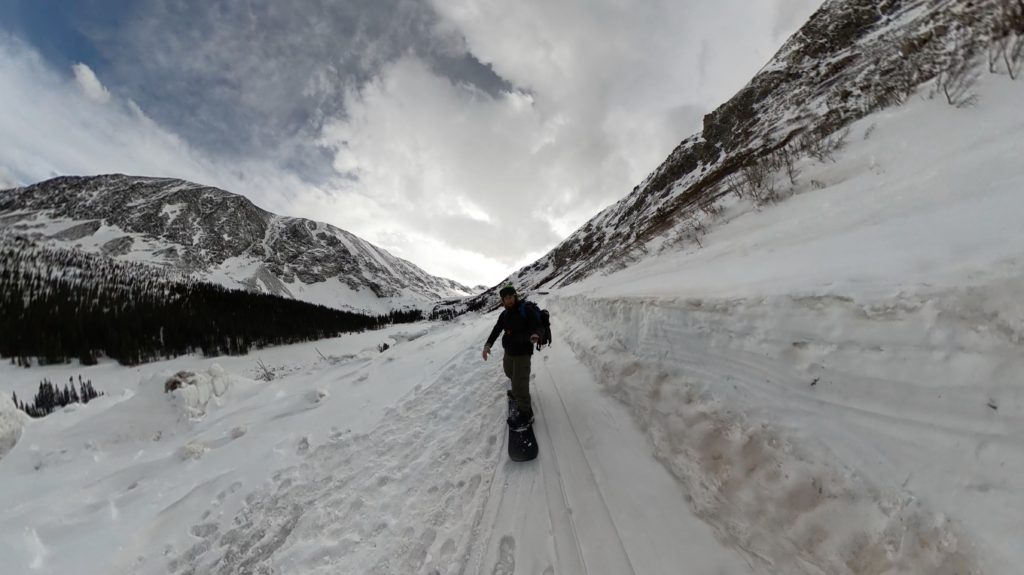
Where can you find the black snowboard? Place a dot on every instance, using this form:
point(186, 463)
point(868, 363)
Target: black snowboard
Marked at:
point(522, 443)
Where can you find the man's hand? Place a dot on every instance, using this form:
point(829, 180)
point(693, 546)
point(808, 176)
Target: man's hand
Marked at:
point(487, 351)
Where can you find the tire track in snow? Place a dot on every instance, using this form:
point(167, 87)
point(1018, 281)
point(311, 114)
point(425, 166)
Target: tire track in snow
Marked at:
point(596, 535)
point(560, 489)
point(568, 551)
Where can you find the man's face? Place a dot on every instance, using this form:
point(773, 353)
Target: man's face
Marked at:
point(508, 301)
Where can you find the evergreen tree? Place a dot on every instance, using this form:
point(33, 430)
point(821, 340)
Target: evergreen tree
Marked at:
point(49, 397)
point(58, 305)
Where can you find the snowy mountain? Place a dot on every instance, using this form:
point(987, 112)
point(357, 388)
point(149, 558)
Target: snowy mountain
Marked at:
point(829, 385)
point(851, 59)
point(59, 305)
point(220, 237)
point(824, 380)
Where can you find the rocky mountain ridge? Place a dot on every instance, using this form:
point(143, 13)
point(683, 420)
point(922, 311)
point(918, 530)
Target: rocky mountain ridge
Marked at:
point(850, 59)
point(219, 236)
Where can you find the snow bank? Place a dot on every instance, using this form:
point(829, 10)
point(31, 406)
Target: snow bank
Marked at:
point(758, 407)
point(160, 407)
point(852, 352)
point(12, 420)
point(194, 393)
point(407, 336)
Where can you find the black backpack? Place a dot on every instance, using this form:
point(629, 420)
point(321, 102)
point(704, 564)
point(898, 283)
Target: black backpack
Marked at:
point(545, 320)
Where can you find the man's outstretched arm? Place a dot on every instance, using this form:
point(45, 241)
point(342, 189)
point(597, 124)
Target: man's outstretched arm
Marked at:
point(493, 337)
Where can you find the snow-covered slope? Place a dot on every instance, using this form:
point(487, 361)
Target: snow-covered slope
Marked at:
point(825, 383)
point(851, 59)
point(220, 237)
point(836, 379)
point(831, 384)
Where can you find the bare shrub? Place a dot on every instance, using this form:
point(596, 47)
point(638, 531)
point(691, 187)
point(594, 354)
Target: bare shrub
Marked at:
point(1014, 56)
point(824, 148)
point(995, 54)
point(1011, 54)
point(956, 82)
point(958, 73)
point(735, 184)
point(870, 130)
point(265, 373)
point(690, 230)
point(784, 160)
point(760, 181)
point(895, 84)
point(712, 210)
point(1007, 46)
point(697, 231)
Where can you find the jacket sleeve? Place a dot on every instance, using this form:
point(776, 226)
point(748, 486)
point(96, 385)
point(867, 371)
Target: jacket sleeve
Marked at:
point(495, 332)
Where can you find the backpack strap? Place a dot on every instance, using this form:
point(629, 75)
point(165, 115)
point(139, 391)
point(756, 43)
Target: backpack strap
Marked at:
point(533, 307)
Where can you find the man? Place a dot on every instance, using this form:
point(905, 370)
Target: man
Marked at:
point(522, 326)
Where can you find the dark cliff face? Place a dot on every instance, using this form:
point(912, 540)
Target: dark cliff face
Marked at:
point(852, 58)
point(199, 229)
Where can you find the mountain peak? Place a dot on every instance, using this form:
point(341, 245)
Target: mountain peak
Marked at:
point(222, 237)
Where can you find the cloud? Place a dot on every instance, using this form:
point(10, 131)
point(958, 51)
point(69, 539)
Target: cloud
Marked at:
point(603, 92)
point(467, 136)
point(90, 84)
point(54, 128)
point(449, 160)
point(7, 180)
point(56, 125)
point(252, 78)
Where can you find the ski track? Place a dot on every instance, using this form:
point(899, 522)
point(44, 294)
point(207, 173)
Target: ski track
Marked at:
point(608, 550)
point(534, 500)
point(568, 552)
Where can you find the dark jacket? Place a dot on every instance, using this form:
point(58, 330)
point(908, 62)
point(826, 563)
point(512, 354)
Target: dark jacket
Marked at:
point(518, 323)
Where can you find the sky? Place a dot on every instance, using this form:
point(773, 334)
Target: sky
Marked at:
point(468, 137)
point(829, 384)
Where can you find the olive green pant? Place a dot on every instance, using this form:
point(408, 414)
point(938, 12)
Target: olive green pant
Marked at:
point(517, 368)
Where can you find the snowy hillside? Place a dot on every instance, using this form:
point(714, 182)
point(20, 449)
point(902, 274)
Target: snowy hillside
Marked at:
point(851, 59)
point(829, 384)
point(220, 237)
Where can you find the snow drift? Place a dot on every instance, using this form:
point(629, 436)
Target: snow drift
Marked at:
point(12, 420)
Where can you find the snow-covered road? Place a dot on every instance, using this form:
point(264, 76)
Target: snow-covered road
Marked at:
point(429, 489)
point(595, 501)
point(351, 460)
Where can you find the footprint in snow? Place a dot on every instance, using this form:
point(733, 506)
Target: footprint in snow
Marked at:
point(506, 564)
